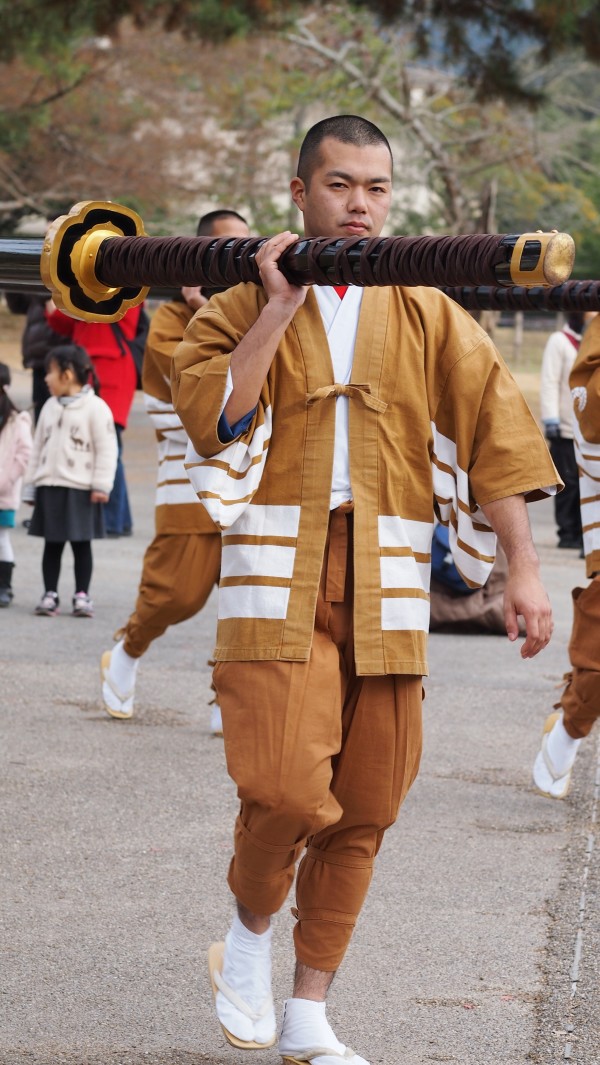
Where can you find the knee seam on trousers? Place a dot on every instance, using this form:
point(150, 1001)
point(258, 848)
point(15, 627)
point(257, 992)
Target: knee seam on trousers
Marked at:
point(350, 861)
point(268, 878)
point(270, 848)
point(328, 916)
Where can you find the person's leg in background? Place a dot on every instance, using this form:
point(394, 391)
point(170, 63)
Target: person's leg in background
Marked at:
point(178, 574)
point(83, 566)
point(579, 704)
point(7, 563)
point(117, 513)
point(566, 503)
point(51, 562)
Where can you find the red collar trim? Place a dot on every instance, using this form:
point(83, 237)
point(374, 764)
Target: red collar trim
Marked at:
point(341, 290)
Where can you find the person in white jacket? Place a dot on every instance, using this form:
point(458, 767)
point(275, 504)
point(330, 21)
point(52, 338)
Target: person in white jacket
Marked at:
point(556, 406)
point(70, 473)
point(15, 449)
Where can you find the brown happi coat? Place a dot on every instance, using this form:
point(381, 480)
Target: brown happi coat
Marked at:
point(437, 424)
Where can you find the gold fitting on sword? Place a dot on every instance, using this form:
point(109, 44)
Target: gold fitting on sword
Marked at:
point(83, 261)
point(550, 255)
point(69, 256)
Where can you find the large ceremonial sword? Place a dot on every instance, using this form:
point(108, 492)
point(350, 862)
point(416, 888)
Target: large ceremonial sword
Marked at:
point(97, 261)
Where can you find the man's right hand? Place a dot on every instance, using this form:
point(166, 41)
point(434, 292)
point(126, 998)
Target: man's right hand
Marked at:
point(251, 360)
point(275, 284)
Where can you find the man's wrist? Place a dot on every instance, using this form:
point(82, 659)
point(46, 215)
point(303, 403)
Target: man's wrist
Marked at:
point(521, 559)
point(281, 309)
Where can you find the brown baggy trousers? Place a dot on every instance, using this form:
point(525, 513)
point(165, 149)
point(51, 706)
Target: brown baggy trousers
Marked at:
point(580, 700)
point(321, 758)
point(178, 574)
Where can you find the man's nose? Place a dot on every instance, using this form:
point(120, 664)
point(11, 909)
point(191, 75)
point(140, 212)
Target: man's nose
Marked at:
point(357, 200)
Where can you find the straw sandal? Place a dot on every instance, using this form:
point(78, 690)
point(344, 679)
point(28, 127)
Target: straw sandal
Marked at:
point(543, 761)
point(215, 965)
point(115, 703)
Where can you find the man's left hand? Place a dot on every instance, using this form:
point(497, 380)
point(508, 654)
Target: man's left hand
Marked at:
point(526, 596)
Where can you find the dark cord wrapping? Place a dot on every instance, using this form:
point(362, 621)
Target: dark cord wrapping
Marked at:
point(176, 261)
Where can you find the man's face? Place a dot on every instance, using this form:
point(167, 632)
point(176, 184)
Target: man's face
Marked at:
point(349, 193)
point(230, 226)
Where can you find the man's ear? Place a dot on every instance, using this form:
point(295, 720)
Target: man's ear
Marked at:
point(297, 190)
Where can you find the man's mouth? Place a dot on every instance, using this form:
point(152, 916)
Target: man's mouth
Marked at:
point(355, 227)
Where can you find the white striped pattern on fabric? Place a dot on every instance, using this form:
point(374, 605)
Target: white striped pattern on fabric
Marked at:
point(225, 483)
point(405, 614)
point(473, 549)
point(173, 487)
point(405, 572)
point(163, 417)
point(263, 560)
point(253, 601)
point(176, 494)
point(256, 567)
point(271, 520)
point(588, 460)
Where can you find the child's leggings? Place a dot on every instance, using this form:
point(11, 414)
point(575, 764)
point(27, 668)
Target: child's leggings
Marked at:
point(82, 555)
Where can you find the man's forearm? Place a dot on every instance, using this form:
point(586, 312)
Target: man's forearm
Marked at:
point(251, 360)
point(510, 521)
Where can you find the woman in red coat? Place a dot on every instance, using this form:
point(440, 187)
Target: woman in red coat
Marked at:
point(117, 374)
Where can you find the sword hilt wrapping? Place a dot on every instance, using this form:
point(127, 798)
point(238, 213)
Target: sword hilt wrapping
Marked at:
point(169, 261)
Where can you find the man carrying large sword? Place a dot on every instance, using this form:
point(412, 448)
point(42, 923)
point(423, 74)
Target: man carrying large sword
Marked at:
point(329, 427)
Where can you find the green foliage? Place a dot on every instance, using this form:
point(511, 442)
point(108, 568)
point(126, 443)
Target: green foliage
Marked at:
point(38, 27)
point(484, 39)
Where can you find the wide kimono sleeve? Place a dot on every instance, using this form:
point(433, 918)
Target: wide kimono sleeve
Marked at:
point(225, 476)
point(167, 327)
point(585, 389)
point(486, 446)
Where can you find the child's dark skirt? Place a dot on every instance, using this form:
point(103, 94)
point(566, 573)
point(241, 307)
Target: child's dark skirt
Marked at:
point(62, 514)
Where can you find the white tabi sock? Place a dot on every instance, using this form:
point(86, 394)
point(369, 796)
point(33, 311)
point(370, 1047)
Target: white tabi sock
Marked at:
point(561, 748)
point(305, 1027)
point(216, 721)
point(247, 971)
point(123, 669)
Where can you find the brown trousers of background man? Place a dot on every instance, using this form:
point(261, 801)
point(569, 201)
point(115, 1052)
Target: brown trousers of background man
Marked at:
point(178, 574)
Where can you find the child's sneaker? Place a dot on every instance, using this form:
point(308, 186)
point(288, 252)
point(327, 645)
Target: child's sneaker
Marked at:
point(48, 605)
point(82, 605)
